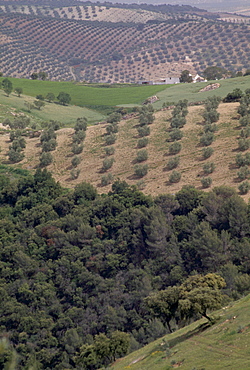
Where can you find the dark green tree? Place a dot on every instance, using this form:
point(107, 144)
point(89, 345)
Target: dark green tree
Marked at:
point(64, 98)
point(50, 97)
point(7, 86)
point(19, 91)
point(186, 76)
point(200, 294)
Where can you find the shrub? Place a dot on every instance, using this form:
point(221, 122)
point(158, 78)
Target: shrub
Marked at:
point(49, 146)
point(142, 142)
point(173, 163)
point(114, 117)
point(175, 148)
point(207, 139)
point(243, 173)
point(106, 179)
point(211, 116)
point(245, 132)
point(19, 143)
point(142, 155)
point(210, 127)
point(235, 95)
point(208, 168)
point(74, 173)
point(244, 187)
point(45, 159)
point(107, 163)
point(15, 156)
point(110, 139)
point(143, 131)
point(47, 135)
point(109, 150)
point(243, 109)
point(112, 129)
point(146, 118)
point(75, 161)
point(176, 134)
point(207, 152)
point(242, 160)
point(244, 121)
point(141, 170)
point(81, 124)
point(178, 121)
point(79, 136)
point(77, 149)
point(212, 102)
point(243, 144)
point(174, 177)
point(206, 182)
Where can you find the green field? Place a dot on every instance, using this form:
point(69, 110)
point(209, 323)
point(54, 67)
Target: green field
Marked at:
point(65, 114)
point(192, 94)
point(83, 95)
point(224, 345)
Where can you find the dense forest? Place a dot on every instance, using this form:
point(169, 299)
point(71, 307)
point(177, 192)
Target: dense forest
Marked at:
point(77, 266)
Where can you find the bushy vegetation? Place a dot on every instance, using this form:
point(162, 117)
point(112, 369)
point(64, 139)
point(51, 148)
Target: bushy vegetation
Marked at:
point(174, 177)
point(174, 148)
point(68, 270)
point(207, 152)
point(173, 162)
point(142, 142)
point(206, 182)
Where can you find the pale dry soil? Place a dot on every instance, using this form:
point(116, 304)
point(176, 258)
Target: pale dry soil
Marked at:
point(157, 179)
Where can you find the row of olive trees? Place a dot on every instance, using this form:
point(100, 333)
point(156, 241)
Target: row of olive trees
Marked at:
point(243, 160)
point(210, 116)
point(17, 137)
point(146, 118)
point(110, 139)
point(77, 145)
point(178, 121)
point(48, 144)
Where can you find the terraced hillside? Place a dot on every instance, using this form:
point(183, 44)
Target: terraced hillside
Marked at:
point(97, 43)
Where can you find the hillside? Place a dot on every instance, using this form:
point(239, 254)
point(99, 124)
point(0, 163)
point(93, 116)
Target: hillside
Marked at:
point(225, 345)
point(156, 181)
point(103, 43)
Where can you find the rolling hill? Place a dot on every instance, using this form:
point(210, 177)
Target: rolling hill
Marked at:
point(118, 43)
point(156, 181)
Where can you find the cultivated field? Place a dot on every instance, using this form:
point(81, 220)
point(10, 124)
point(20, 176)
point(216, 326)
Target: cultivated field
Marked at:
point(118, 44)
point(157, 179)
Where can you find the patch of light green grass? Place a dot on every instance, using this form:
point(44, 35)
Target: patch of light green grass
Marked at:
point(84, 95)
point(191, 91)
point(224, 345)
point(65, 114)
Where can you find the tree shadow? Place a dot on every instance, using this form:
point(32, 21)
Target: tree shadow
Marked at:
point(181, 338)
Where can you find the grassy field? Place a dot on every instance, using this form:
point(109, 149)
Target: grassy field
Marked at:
point(191, 91)
point(225, 345)
point(10, 105)
point(83, 95)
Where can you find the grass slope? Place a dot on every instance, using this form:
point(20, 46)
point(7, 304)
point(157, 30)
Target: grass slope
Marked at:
point(192, 91)
point(82, 95)
point(13, 104)
point(225, 345)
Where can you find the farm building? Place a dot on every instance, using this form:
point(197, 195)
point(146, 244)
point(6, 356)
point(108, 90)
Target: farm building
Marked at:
point(161, 81)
